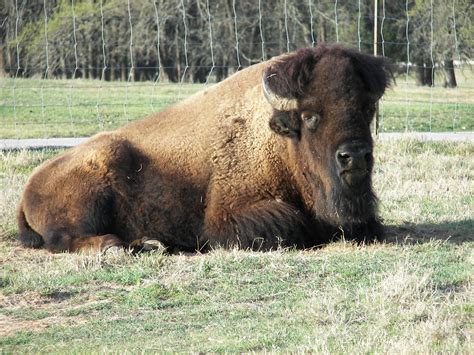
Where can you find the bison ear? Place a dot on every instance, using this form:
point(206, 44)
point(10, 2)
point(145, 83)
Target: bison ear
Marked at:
point(285, 124)
point(289, 75)
point(376, 73)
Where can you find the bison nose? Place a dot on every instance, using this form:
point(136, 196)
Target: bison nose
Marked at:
point(354, 157)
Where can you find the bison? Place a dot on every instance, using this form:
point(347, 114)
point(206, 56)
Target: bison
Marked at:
point(278, 154)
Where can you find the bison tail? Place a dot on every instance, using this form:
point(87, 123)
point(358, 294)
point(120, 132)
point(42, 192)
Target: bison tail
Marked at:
point(26, 235)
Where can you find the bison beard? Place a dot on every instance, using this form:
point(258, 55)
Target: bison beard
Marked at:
point(250, 162)
point(350, 208)
point(355, 213)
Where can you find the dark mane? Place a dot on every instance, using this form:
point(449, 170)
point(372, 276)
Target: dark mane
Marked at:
point(290, 78)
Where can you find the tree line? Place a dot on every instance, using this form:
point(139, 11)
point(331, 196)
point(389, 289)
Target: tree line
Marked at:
point(201, 40)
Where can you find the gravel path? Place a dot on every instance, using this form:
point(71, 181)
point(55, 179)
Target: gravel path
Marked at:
point(14, 144)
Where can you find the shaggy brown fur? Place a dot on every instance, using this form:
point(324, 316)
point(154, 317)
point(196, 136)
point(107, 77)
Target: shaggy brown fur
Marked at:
point(224, 167)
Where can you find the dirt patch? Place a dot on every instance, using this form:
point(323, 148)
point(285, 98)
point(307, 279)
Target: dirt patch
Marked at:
point(25, 300)
point(10, 325)
point(59, 302)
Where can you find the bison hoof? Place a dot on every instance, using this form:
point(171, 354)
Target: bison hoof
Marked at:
point(152, 244)
point(146, 245)
point(113, 250)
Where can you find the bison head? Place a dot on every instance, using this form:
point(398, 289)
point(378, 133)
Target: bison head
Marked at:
point(323, 103)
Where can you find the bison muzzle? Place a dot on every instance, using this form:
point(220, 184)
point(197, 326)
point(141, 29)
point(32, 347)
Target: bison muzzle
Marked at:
point(278, 154)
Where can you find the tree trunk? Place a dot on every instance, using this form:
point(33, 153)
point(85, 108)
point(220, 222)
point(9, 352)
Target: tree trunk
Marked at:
point(420, 74)
point(169, 67)
point(95, 64)
point(112, 73)
point(199, 76)
point(62, 67)
point(282, 40)
point(107, 72)
point(141, 74)
point(321, 36)
point(114, 69)
point(219, 74)
point(85, 69)
point(2, 63)
point(177, 56)
point(123, 71)
point(429, 75)
point(11, 72)
point(450, 74)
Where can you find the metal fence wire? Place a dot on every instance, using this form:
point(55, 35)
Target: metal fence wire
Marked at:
point(71, 68)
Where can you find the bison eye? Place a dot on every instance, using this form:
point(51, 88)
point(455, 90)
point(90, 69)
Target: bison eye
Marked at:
point(310, 119)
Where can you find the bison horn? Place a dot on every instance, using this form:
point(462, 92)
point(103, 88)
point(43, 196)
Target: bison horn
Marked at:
point(279, 103)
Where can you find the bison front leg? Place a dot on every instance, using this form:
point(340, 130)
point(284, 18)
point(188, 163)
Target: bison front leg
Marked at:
point(264, 225)
point(95, 243)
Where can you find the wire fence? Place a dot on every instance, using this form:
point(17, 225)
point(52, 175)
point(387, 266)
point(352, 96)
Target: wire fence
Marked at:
point(74, 68)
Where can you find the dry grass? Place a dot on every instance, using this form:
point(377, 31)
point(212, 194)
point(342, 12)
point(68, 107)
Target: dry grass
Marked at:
point(15, 168)
point(344, 298)
point(395, 297)
point(401, 309)
point(426, 189)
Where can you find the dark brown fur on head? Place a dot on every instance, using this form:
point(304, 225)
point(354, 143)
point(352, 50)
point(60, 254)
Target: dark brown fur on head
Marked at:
point(341, 92)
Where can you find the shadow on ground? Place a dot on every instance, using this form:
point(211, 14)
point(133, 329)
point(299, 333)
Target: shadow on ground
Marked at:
point(409, 233)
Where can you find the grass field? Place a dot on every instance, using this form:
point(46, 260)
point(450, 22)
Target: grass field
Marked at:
point(412, 294)
point(65, 108)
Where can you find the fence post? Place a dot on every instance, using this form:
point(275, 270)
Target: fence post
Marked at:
point(376, 34)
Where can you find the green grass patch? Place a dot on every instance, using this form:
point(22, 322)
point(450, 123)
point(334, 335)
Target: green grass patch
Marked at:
point(34, 108)
point(412, 293)
point(389, 295)
point(77, 108)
